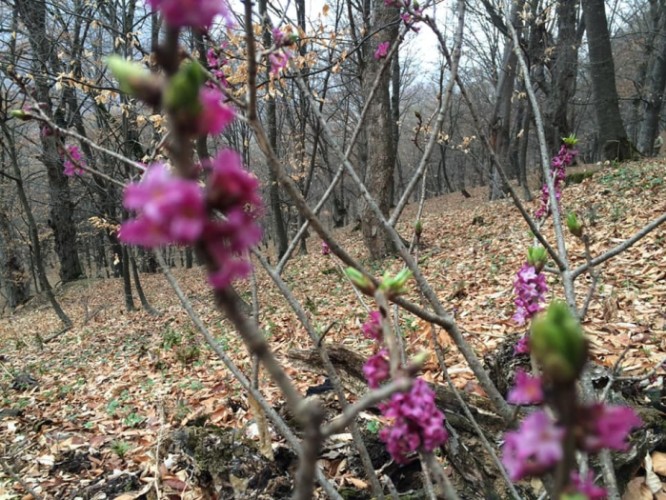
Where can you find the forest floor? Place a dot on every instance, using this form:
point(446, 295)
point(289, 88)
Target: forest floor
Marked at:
point(94, 405)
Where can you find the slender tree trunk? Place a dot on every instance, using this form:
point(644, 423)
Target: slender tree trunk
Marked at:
point(14, 278)
point(613, 141)
point(127, 282)
point(34, 233)
point(379, 130)
point(279, 227)
point(139, 289)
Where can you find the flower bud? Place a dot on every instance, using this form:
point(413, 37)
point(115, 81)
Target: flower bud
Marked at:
point(574, 225)
point(537, 257)
point(182, 92)
point(558, 344)
point(360, 281)
point(395, 285)
point(135, 80)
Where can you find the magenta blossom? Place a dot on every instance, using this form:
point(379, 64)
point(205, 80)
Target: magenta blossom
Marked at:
point(376, 369)
point(606, 426)
point(229, 184)
point(522, 346)
point(558, 164)
point(214, 115)
point(534, 448)
point(530, 288)
point(194, 13)
point(382, 50)
point(171, 210)
point(528, 390)
point(325, 249)
point(73, 162)
point(585, 486)
point(278, 61)
point(417, 423)
point(372, 329)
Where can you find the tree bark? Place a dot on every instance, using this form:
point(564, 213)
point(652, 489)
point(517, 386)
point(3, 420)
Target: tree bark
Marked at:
point(654, 88)
point(613, 141)
point(564, 69)
point(13, 276)
point(33, 15)
point(379, 130)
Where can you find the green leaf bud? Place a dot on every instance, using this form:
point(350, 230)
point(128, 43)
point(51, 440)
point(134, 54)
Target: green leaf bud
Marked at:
point(537, 257)
point(574, 225)
point(360, 281)
point(182, 92)
point(20, 114)
point(393, 286)
point(135, 80)
point(570, 141)
point(558, 344)
point(418, 227)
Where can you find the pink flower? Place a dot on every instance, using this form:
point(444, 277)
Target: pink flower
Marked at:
point(232, 269)
point(530, 288)
point(587, 487)
point(73, 167)
point(376, 369)
point(558, 164)
point(382, 50)
point(194, 13)
point(372, 329)
point(534, 448)
point(417, 423)
point(325, 249)
point(527, 391)
point(231, 185)
point(278, 61)
point(171, 210)
point(606, 426)
point(522, 346)
point(214, 116)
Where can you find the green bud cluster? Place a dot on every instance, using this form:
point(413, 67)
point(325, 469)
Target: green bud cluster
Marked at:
point(537, 257)
point(574, 225)
point(558, 344)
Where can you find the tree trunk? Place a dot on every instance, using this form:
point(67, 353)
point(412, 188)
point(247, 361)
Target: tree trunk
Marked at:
point(139, 289)
point(279, 228)
point(379, 131)
point(654, 88)
point(33, 15)
point(33, 232)
point(127, 282)
point(613, 141)
point(13, 276)
point(564, 69)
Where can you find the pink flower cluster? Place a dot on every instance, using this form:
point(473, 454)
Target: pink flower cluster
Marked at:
point(175, 210)
point(585, 486)
point(325, 249)
point(216, 62)
point(195, 13)
point(372, 329)
point(417, 422)
point(73, 167)
point(530, 288)
point(214, 115)
point(382, 50)
point(527, 390)
point(537, 444)
point(558, 165)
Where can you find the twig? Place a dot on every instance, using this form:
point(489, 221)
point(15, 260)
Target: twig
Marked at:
point(9, 470)
point(279, 423)
point(621, 247)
